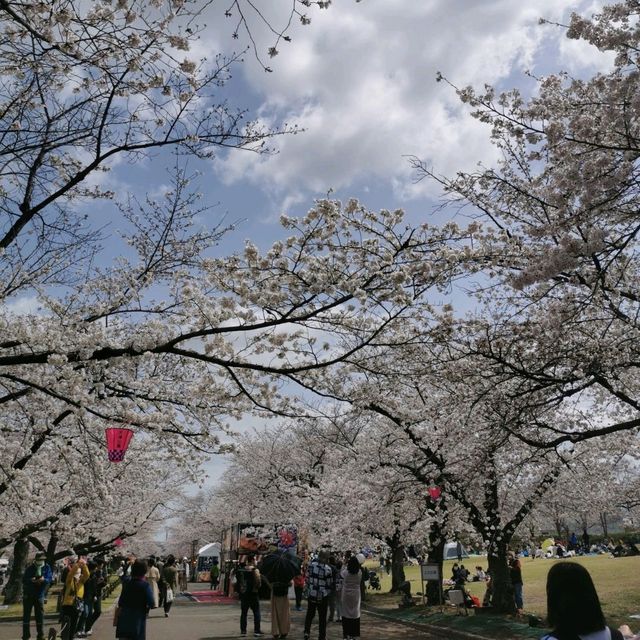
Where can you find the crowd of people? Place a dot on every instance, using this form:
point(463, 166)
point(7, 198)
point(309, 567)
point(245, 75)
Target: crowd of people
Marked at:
point(80, 600)
point(573, 545)
point(333, 586)
point(146, 584)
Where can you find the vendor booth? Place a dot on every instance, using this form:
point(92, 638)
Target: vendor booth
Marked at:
point(207, 556)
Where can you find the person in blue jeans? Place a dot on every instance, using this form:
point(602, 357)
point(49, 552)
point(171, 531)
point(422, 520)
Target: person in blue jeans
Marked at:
point(515, 571)
point(35, 582)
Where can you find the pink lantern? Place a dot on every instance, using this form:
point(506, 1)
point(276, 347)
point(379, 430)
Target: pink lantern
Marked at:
point(117, 542)
point(434, 492)
point(117, 442)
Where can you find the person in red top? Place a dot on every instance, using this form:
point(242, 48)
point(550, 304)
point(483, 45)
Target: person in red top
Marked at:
point(298, 587)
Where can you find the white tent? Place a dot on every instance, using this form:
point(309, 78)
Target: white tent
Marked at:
point(207, 555)
point(210, 550)
point(451, 551)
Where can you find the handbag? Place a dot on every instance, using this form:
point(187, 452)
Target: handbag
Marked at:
point(169, 597)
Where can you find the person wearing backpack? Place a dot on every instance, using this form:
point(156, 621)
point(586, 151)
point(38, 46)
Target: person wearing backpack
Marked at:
point(248, 582)
point(573, 606)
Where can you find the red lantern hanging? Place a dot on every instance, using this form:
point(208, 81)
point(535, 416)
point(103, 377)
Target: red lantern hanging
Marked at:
point(434, 492)
point(118, 440)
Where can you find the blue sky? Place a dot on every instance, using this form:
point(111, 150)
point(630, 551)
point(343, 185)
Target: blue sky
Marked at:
point(360, 79)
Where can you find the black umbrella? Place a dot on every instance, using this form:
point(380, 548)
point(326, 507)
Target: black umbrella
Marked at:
point(280, 566)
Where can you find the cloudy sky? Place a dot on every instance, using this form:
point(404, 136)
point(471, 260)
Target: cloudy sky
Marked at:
point(360, 81)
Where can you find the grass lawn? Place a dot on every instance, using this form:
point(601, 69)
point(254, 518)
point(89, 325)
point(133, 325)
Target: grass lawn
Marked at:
point(13, 610)
point(617, 581)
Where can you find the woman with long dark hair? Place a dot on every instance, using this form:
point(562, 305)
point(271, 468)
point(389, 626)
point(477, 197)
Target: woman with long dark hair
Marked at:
point(170, 578)
point(573, 606)
point(350, 605)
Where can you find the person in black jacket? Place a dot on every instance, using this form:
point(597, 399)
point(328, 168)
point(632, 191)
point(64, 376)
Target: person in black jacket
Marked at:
point(35, 582)
point(92, 597)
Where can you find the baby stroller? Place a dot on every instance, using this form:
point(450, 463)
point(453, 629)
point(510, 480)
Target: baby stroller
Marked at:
point(374, 581)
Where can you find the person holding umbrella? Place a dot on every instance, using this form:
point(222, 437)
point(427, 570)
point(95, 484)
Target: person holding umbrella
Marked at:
point(279, 568)
point(280, 614)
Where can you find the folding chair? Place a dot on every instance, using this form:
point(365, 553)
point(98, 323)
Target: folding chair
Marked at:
point(456, 598)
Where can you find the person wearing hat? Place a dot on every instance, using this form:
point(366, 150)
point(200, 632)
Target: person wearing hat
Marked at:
point(35, 582)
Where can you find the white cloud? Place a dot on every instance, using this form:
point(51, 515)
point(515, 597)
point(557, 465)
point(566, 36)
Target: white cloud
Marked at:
point(361, 81)
point(22, 306)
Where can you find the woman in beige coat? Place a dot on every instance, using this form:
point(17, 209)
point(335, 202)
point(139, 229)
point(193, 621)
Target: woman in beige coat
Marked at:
point(153, 577)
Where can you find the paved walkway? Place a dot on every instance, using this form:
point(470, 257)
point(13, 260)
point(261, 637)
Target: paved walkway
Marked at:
point(190, 621)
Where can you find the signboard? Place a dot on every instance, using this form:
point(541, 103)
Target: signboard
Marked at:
point(266, 538)
point(430, 572)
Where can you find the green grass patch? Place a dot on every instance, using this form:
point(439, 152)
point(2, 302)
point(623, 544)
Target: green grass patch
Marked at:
point(50, 606)
point(13, 610)
point(617, 581)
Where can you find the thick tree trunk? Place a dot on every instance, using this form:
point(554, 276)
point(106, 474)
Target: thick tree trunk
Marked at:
point(397, 566)
point(13, 590)
point(435, 556)
point(605, 524)
point(560, 525)
point(502, 591)
point(434, 589)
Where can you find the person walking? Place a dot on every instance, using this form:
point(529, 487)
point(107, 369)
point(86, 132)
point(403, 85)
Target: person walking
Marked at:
point(573, 606)
point(248, 583)
point(298, 588)
point(99, 578)
point(162, 587)
point(73, 598)
point(170, 578)
point(338, 583)
point(319, 583)
point(88, 600)
point(153, 578)
point(35, 582)
point(134, 603)
point(515, 571)
point(350, 604)
point(331, 602)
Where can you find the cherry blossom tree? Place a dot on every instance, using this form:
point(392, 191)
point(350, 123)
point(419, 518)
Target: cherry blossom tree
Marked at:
point(332, 476)
point(557, 224)
point(447, 425)
point(178, 370)
point(72, 500)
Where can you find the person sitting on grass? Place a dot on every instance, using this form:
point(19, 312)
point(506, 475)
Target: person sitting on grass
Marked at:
point(573, 607)
point(480, 576)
